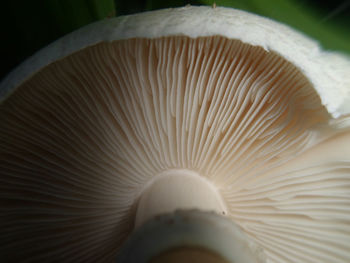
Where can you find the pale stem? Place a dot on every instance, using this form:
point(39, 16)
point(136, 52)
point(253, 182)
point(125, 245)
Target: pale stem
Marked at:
point(178, 190)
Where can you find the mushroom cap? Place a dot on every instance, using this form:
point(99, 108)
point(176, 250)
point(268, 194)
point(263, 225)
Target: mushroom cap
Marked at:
point(245, 102)
point(327, 71)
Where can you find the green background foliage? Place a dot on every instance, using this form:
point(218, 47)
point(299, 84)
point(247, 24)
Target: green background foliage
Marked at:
point(30, 25)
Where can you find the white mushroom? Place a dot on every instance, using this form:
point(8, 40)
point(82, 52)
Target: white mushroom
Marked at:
point(224, 110)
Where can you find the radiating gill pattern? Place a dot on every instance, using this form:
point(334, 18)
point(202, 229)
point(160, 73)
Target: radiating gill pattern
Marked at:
point(300, 215)
point(80, 139)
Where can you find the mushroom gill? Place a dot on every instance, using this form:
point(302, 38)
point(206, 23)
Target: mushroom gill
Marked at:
point(81, 138)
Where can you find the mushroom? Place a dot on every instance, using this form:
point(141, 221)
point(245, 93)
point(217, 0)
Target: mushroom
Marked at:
point(201, 108)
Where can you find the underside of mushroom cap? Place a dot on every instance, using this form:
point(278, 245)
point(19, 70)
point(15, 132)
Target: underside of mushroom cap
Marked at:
point(327, 71)
point(81, 138)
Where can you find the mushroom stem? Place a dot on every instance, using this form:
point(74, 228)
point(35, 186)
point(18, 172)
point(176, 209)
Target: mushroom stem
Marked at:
point(178, 190)
point(190, 236)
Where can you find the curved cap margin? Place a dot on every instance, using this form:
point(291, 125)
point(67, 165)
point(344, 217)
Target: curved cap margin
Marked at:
point(329, 72)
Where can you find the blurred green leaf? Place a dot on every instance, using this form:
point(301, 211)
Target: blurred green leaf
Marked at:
point(301, 15)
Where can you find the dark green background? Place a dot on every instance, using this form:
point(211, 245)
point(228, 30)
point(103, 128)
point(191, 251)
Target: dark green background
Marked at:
point(29, 25)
